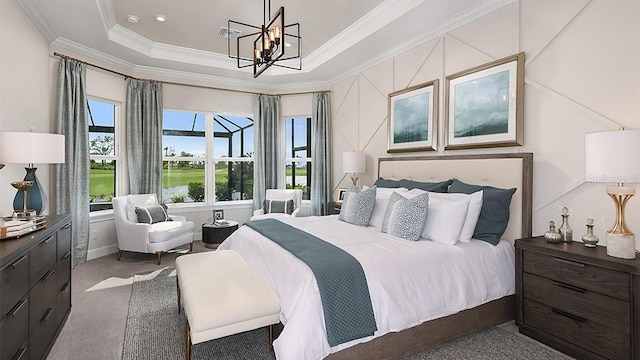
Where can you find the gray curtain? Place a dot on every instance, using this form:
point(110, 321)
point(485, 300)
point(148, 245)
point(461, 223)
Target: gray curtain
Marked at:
point(72, 177)
point(144, 137)
point(266, 162)
point(320, 151)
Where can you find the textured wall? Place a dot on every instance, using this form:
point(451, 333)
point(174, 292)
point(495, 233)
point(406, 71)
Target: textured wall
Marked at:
point(582, 75)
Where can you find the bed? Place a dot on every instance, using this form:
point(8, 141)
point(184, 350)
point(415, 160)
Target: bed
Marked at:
point(415, 305)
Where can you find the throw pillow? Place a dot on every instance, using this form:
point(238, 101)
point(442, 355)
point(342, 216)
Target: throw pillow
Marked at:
point(278, 206)
point(382, 200)
point(357, 205)
point(440, 187)
point(151, 214)
point(445, 220)
point(475, 205)
point(404, 217)
point(494, 215)
point(385, 183)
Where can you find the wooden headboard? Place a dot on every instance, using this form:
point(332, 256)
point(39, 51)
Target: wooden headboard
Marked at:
point(511, 170)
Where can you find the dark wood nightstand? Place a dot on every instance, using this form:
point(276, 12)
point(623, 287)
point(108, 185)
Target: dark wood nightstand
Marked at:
point(577, 299)
point(214, 234)
point(334, 208)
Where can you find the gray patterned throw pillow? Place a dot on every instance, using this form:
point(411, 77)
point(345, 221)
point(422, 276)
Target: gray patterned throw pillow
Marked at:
point(404, 217)
point(278, 206)
point(152, 214)
point(357, 205)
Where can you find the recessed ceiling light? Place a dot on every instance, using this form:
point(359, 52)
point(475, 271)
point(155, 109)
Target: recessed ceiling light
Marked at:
point(133, 18)
point(161, 18)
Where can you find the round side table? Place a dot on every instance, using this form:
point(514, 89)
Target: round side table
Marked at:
point(214, 234)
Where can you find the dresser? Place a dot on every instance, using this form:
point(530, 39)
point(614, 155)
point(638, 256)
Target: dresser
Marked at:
point(35, 289)
point(578, 300)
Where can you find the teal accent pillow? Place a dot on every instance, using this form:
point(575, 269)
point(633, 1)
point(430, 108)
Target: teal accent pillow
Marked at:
point(494, 214)
point(404, 217)
point(385, 183)
point(439, 187)
point(151, 214)
point(357, 205)
point(278, 206)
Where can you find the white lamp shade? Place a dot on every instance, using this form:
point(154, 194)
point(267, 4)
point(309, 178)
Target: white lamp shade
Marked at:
point(354, 162)
point(31, 148)
point(613, 157)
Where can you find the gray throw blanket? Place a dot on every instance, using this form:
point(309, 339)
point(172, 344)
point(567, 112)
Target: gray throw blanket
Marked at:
point(346, 303)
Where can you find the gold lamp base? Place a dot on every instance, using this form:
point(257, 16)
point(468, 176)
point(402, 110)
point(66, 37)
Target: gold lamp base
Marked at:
point(621, 242)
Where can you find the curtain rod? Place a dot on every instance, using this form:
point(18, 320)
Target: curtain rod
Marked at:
point(181, 84)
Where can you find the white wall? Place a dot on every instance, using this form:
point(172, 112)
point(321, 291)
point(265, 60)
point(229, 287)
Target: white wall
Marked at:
point(582, 75)
point(25, 91)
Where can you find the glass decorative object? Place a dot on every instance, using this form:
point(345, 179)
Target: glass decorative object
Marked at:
point(552, 235)
point(565, 230)
point(589, 239)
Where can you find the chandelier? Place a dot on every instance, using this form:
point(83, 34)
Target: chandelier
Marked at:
point(266, 42)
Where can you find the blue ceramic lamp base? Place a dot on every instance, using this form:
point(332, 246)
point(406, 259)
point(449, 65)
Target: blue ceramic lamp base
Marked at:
point(36, 198)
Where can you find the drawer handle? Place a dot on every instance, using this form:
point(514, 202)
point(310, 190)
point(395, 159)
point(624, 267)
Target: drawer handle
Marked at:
point(568, 262)
point(21, 259)
point(67, 226)
point(47, 240)
point(16, 308)
point(65, 286)
point(570, 316)
point(46, 315)
point(66, 256)
point(19, 354)
point(569, 287)
point(48, 275)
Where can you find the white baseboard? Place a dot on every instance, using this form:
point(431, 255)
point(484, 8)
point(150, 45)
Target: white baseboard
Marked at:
point(103, 251)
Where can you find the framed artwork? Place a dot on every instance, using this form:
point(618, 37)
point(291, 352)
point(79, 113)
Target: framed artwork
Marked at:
point(485, 105)
point(413, 118)
point(341, 193)
point(218, 215)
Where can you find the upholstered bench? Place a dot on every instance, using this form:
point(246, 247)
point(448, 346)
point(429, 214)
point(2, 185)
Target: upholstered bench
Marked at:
point(222, 295)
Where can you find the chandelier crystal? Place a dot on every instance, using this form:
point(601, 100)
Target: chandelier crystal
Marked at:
point(269, 43)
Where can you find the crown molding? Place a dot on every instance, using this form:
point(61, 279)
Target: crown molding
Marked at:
point(38, 19)
point(107, 14)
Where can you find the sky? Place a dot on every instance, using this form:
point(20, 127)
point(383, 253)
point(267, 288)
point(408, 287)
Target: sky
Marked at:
point(103, 115)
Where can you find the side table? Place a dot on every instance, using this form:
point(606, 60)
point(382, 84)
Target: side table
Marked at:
point(214, 234)
point(334, 208)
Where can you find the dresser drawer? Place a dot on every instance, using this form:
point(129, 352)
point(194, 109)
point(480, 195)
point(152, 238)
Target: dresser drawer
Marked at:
point(43, 256)
point(587, 334)
point(598, 279)
point(14, 329)
point(64, 239)
point(42, 335)
point(610, 312)
point(43, 296)
point(14, 282)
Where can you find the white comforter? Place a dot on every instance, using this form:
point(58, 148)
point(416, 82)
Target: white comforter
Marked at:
point(410, 282)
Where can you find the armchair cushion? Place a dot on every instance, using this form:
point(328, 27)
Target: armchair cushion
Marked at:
point(278, 206)
point(151, 214)
point(141, 200)
point(167, 230)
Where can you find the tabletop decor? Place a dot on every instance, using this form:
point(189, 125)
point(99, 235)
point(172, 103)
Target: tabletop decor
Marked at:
point(413, 118)
point(484, 105)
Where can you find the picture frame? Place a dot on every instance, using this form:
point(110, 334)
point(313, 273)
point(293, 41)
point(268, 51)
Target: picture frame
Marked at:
point(413, 118)
point(341, 193)
point(484, 105)
point(218, 215)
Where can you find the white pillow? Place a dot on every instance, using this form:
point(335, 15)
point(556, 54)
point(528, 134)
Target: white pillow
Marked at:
point(473, 213)
point(382, 200)
point(445, 219)
point(142, 200)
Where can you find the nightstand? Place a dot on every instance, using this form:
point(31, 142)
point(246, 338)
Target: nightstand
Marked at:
point(214, 234)
point(334, 208)
point(577, 299)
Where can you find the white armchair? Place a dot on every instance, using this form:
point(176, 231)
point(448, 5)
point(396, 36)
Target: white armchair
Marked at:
point(280, 195)
point(148, 238)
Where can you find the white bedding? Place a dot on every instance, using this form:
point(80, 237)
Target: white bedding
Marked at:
point(410, 282)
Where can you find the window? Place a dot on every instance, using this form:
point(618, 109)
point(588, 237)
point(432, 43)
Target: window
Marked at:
point(103, 153)
point(191, 141)
point(298, 155)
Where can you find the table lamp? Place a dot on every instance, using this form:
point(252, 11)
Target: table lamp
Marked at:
point(612, 157)
point(31, 148)
point(354, 163)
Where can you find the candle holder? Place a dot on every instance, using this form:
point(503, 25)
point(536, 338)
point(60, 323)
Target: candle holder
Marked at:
point(23, 186)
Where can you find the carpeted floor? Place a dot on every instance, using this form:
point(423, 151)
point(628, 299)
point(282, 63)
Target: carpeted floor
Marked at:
point(155, 330)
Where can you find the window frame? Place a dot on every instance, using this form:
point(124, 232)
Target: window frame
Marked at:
point(308, 159)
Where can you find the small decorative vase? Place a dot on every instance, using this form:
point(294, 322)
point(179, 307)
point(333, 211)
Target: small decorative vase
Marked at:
point(552, 235)
point(565, 230)
point(589, 239)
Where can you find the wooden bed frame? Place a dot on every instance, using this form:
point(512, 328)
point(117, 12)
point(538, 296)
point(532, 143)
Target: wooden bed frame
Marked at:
point(499, 170)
